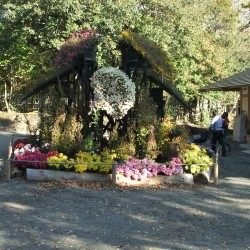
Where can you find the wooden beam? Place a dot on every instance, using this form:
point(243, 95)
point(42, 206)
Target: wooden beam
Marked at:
point(47, 81)
point(168, 86)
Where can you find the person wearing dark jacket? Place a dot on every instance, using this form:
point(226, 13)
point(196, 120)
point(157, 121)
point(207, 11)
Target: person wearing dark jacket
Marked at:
point(225, 124)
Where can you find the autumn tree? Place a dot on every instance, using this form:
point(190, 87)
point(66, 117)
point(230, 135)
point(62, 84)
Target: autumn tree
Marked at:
point(204, 39)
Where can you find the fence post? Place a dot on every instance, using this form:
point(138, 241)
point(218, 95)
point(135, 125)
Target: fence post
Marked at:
point(114, 173)
point(8, 169)
point(216, 167)
point(216, 173)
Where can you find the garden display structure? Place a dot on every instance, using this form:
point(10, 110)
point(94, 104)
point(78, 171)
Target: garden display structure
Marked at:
point(68, 88)
point(68, 95)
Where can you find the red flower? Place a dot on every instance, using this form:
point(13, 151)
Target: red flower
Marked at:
point(34, 159)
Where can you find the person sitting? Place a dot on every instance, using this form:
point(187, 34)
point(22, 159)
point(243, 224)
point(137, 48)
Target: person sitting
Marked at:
point(217, 132)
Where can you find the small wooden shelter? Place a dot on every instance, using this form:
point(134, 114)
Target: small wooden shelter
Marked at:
point(238, 82)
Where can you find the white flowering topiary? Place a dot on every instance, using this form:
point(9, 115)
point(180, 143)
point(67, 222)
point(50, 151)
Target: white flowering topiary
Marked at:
point(114, 92)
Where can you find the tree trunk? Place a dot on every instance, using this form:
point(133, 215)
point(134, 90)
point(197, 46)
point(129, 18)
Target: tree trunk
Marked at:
point(7, 106)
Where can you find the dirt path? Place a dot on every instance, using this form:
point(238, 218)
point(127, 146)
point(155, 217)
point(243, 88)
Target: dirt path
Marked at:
point(56, 216)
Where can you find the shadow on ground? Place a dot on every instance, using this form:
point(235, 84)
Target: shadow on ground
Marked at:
point(44, 216)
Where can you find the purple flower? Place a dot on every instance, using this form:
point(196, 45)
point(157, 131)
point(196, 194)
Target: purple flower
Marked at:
point(136, 169)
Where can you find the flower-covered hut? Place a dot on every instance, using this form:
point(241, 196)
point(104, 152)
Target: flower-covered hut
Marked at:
point(65, 93)
point(83, 106)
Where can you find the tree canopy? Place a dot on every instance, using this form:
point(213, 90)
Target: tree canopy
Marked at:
point(205, 40)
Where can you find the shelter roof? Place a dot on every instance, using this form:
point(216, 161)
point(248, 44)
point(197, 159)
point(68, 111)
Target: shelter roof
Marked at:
point(232, 83)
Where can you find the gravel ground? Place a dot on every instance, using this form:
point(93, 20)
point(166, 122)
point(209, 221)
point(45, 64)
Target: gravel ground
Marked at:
point(38, 216)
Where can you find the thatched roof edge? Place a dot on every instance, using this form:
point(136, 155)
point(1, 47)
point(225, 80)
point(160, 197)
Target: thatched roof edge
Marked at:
point(168, 86)
point(47, 81)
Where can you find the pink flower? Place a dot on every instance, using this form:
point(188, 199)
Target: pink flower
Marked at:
point(75, 45)
point(136, 169)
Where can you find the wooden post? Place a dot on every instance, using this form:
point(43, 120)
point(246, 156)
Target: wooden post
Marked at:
point(216, 167)
point(8, 162)
point(8, 169)
point(10, 151)
point(216, 173)
point(114, 173)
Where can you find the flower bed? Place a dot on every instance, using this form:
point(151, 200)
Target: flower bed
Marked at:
point(28, 156)
point(92, 167)
point(138, 170)
point(145, 172)
point(131, 172)
point(155, 180)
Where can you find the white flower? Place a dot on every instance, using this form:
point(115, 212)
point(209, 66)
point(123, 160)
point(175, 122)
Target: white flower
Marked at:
point(27, 147)
point(113, 92)
point(18, 151)
point(33, 149)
